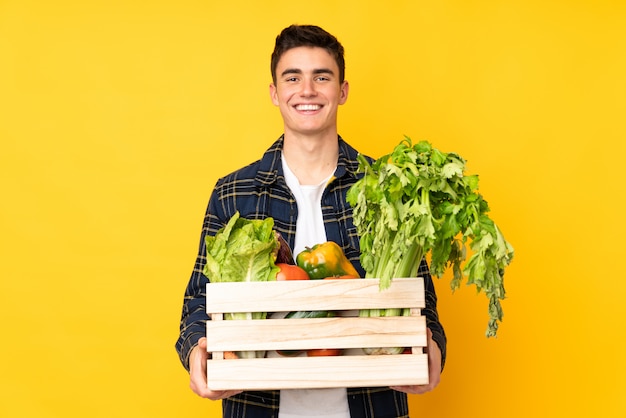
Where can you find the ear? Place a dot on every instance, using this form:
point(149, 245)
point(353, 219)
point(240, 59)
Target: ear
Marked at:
point(273, 94)
point(343, 96)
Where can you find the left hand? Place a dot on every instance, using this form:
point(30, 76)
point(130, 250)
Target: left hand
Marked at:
point(434, 369)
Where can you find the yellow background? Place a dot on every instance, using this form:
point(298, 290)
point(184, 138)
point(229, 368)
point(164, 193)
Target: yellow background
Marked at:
point(117, 117)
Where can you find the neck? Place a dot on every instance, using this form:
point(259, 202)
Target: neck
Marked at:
point(311, 159)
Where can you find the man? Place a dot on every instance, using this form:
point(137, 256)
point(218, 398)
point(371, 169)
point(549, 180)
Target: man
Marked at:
point(301, 182)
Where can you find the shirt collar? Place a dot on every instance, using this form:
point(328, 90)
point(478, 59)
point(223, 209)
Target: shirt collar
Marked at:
point(270, 167)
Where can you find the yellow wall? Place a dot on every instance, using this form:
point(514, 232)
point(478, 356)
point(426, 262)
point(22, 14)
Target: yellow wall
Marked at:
point(117, 117)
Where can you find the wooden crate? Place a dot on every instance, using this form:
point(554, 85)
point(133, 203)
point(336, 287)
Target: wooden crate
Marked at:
point(346, 331)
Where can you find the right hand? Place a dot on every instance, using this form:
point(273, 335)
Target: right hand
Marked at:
point(198, 374)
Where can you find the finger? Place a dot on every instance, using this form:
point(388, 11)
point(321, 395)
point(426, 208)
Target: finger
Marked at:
point(217, 395)
point(413, 390)
point(229, 393)
point(197, 370)
point(198, 375)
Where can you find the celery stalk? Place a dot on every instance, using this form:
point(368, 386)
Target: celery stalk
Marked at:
point(418, 200)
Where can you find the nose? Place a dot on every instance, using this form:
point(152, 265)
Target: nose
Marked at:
point(308, 87)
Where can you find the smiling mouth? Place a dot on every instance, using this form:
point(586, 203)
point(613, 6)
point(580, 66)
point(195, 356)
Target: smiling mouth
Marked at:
point(308, 107)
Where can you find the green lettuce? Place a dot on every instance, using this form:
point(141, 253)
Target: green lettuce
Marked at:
point(244, 250)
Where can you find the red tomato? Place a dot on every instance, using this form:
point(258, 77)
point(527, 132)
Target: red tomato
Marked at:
point(291, 272)
point(324, 352)
point(229, 355)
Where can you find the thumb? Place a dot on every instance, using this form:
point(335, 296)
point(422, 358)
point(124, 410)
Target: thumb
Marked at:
point(202, 343)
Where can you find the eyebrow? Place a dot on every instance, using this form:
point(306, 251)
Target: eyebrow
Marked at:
point(299, 71)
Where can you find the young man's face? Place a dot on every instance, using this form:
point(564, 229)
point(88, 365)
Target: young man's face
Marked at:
point(308, 91)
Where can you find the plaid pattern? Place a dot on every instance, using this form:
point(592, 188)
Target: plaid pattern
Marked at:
point(363, 403)
point(258, 191)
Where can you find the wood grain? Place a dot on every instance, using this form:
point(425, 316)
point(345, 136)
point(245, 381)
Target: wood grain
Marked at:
point(345, 331)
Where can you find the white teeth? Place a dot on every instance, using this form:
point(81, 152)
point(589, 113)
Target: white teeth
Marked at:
point(308, 107)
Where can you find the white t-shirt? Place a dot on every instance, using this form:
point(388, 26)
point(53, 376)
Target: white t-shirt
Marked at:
point(310, 403)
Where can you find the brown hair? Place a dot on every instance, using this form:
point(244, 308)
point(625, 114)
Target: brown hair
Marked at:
point(296, 36)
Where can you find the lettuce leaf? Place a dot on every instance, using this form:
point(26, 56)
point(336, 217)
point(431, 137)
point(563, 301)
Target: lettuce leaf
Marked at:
point(243, 251)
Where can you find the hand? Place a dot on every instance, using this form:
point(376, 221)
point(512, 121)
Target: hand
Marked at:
point(434, 369)
point(198, 375)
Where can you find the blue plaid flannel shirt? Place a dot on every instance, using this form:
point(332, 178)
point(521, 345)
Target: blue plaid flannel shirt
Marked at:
point(257, 191)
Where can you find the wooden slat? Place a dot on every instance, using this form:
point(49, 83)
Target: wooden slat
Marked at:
point(318, 372)
point(303, 333)
point(314, 295)
point(346, 331)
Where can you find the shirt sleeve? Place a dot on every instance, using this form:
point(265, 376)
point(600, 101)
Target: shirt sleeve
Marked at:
point(193, 317)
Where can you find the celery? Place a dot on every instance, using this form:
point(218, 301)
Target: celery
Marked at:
point(418, 200)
